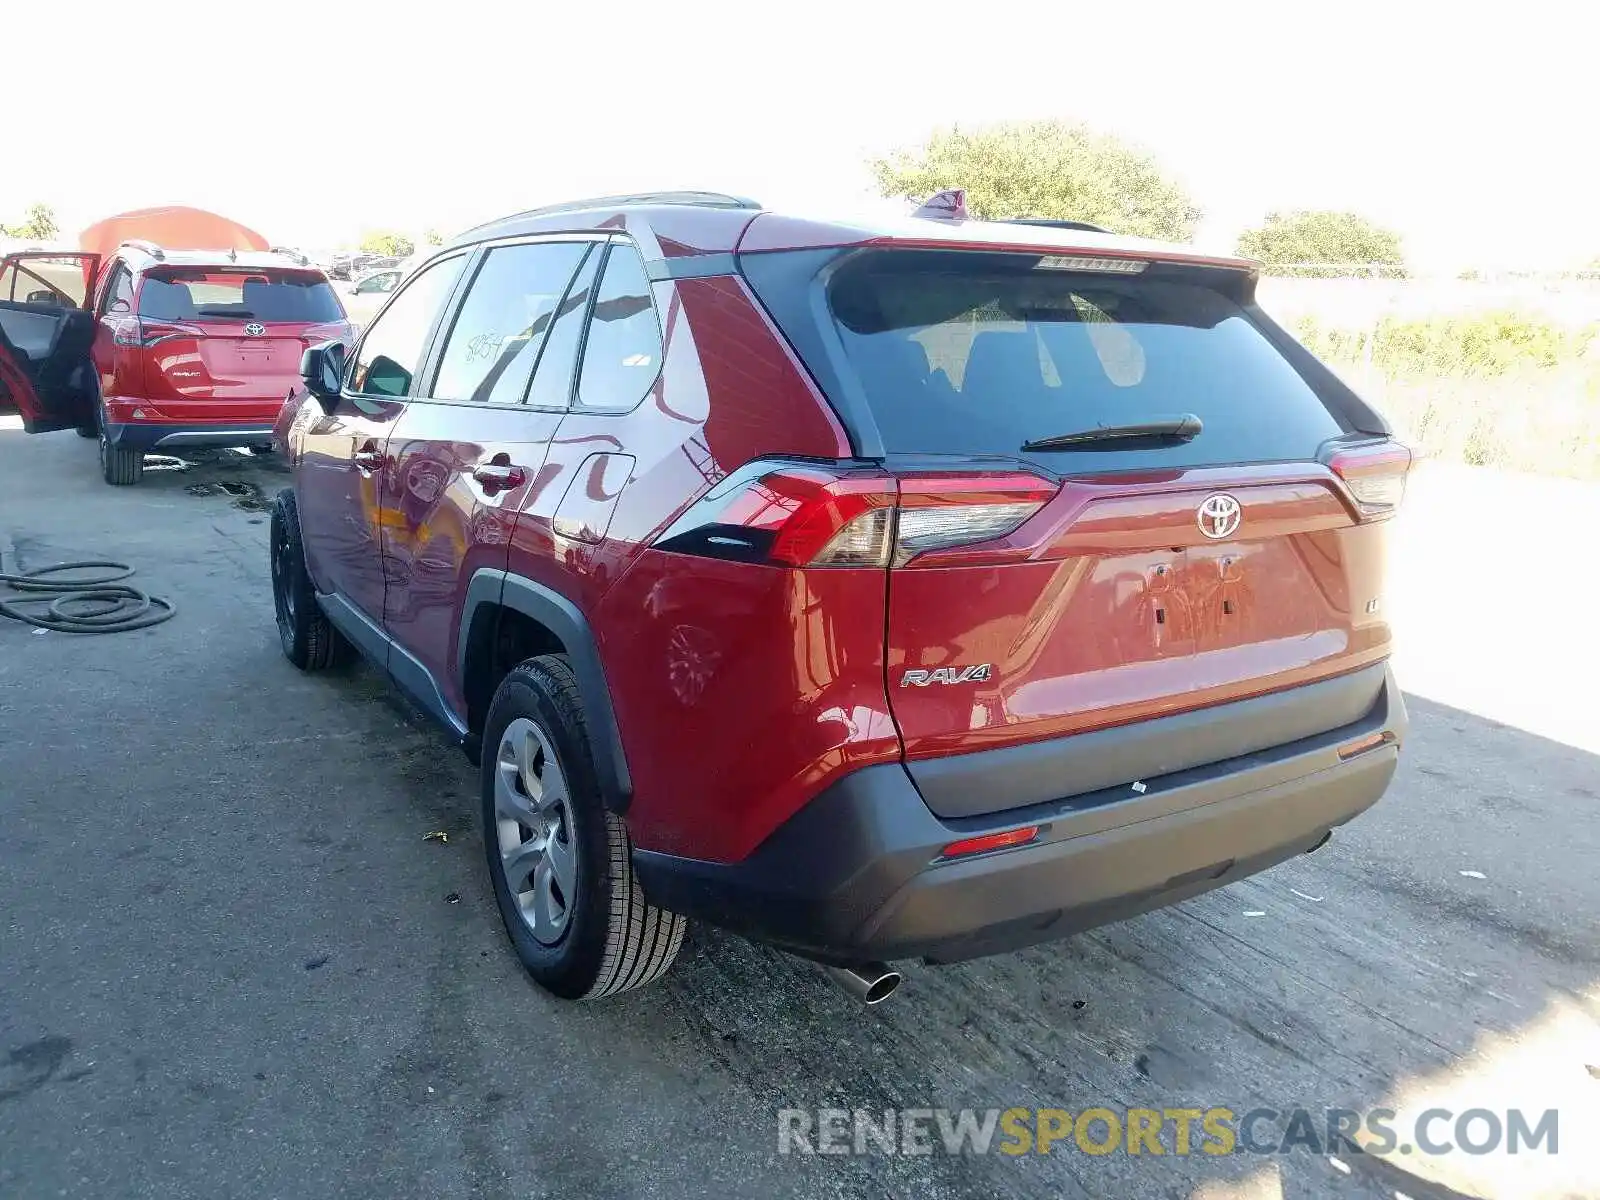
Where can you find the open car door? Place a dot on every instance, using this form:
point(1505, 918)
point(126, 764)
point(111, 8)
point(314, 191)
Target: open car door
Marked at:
point(46, 336)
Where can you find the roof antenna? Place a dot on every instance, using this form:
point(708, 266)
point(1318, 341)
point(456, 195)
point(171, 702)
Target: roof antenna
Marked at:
point(233, 254)
point(948, 205)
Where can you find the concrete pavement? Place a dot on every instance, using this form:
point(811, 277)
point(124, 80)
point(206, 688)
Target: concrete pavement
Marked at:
point(231, 966)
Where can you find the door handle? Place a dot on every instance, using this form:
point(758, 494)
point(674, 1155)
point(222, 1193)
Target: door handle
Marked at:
point(367, 460)
point(500, 475)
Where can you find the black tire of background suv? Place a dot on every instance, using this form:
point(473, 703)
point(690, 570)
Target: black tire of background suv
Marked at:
point(308, 640)
point(616, 940)
point(119, 465)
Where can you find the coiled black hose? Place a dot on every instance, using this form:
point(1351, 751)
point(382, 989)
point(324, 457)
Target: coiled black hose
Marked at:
point(100, 603)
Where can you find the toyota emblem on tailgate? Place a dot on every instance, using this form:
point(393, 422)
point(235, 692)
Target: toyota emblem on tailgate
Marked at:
point(255, 329)
point(1218, 515)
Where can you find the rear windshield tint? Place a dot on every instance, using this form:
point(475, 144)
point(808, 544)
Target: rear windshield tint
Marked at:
point(964, 353)
point(263, 296)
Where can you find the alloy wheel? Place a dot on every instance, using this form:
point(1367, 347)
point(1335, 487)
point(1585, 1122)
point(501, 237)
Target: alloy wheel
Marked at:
point(533, 830)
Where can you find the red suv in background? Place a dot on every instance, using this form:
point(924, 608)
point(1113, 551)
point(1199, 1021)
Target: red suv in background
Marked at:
point(159, 348)
point(924, 588)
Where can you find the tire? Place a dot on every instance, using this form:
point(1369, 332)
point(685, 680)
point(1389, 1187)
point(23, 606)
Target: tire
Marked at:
point(309, 641)
point(608, 937)
point(119, 465)
point(88, 431)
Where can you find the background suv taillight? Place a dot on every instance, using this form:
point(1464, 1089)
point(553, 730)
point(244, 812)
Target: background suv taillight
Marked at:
point(331, 331)
point(137, 331)
point(796, 515)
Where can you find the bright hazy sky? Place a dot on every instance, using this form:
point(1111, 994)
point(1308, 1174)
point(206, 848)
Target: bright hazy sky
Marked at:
point(1476, 136)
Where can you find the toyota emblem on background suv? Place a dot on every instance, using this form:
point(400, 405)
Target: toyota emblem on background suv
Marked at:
point(255, 329)
point(1219, 515)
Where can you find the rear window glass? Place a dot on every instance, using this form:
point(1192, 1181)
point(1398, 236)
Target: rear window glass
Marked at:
point(978, 353)
point(263, 296)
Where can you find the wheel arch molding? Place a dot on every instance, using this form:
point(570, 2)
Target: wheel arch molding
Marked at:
point(492, 592)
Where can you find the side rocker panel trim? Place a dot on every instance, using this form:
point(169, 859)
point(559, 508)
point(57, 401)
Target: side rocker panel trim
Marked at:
point(412, 677)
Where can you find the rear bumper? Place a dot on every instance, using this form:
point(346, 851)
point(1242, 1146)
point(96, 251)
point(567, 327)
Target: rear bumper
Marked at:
point(856, 875)
point(175, 436)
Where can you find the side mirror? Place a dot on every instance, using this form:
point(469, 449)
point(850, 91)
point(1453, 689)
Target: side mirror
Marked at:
point(322, 368)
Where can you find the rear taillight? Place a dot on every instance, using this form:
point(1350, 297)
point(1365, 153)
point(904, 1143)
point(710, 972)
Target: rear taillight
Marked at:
point(940, 511)
point(143, 332)
point(331, 331)
point(803, 516)
point(1374, 474)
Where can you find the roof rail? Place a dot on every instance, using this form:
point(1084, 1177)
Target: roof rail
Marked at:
point(144, 244)
point(1055, 224)
point(703, 199)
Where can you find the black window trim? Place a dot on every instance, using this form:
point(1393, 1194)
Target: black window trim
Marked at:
point(438, 336)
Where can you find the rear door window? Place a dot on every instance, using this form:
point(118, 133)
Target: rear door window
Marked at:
point(505, 320)
point(391, 352)
point(967, 353)
point(57, 280)
point(268, 297)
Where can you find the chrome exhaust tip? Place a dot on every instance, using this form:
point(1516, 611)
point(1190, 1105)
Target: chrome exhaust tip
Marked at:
point(870, 983)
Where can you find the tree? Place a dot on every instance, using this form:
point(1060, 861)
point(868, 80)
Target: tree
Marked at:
point(1315, 236)
point(433, 238)
point(1055, 169)
point(40, 225)
point(389, 244)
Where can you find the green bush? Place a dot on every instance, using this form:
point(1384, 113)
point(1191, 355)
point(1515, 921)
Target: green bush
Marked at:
point(1502, 389)
point(1052, 169)
point(1479, 344)
point(1323, 237)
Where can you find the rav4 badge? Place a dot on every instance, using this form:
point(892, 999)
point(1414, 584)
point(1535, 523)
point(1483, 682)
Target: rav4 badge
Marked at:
point(977, 674)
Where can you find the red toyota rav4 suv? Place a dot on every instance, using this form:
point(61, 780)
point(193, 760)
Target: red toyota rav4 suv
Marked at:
point(926, 588)
point(158, 348)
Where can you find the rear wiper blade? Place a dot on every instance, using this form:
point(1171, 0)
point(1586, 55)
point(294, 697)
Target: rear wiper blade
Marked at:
point(1162, 429)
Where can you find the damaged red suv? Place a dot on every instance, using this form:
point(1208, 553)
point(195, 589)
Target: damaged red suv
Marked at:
point(922, 588)
point(157, 349)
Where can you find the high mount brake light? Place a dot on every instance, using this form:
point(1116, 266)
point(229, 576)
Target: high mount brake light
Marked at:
point(1374, 474)
point(802, 516)
point(1087, 262)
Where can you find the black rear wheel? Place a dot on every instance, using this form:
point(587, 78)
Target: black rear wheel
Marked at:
point(308, 640)
point(119, 465)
